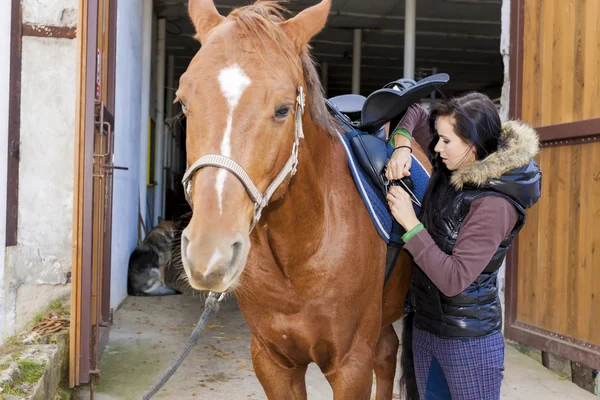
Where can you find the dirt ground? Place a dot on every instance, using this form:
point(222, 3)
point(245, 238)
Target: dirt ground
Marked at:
point(149, 332)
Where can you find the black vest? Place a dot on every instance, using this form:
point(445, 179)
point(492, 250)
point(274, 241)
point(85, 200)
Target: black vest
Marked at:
point(476, 311)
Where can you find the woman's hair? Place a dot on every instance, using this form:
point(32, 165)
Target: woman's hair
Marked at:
point(477, 123)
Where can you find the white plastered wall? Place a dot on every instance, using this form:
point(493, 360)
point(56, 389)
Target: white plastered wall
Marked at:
point(37, 268)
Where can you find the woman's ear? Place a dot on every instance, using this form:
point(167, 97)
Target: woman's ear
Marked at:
point(472, 153)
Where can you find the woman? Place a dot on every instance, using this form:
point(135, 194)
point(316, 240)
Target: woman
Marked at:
point(484, 177)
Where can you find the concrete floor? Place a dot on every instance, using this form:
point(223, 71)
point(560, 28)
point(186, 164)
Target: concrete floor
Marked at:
point(148, 333)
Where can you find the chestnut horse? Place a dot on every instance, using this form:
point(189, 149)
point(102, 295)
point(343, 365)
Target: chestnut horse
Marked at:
point(308, 272)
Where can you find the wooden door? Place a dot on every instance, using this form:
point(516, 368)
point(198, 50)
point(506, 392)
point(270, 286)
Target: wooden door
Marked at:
point(90, 313)
point(553, 276)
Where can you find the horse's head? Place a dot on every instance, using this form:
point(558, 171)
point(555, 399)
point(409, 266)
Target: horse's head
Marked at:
point(240, 97)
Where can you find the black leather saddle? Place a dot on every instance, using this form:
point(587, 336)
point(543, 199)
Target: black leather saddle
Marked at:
point(364, 118)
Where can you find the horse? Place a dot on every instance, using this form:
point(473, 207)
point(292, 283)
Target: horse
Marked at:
point(277, 218)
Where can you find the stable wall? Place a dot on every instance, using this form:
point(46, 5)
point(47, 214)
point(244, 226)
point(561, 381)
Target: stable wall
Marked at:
point(128, 109)
point(37, 269)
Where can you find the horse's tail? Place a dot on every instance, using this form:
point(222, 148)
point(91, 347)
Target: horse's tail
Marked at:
point(408, 380)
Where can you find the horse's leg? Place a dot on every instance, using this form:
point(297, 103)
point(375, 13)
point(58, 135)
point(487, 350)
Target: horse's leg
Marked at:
point(278, 382)
point(353, 378)
point(385, 362)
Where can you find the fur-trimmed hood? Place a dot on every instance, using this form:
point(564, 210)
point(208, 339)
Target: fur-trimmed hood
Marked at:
point(511, 170)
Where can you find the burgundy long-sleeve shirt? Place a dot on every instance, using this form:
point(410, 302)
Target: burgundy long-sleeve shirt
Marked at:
point(489, 221)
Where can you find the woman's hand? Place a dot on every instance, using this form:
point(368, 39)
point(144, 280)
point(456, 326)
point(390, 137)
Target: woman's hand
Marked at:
point(402, 208)
point(399, 165)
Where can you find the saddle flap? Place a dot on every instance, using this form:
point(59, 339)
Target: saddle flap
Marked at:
point(371, 154)
point(388, 103)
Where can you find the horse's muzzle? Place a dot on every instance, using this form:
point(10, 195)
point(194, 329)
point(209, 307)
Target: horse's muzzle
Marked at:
point(214, 265)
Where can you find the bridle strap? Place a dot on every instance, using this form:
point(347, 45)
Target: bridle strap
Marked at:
point(214, 160)
point(259, 199)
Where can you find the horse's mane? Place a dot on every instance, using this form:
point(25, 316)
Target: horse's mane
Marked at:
point(261, 22)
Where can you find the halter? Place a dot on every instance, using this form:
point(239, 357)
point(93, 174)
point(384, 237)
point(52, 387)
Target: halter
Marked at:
point(259, 199)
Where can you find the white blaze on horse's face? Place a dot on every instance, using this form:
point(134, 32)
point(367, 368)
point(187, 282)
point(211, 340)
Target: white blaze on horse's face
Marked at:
point(216, 257)
point(233, 82)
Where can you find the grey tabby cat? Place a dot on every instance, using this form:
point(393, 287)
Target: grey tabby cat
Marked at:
point(148, 261)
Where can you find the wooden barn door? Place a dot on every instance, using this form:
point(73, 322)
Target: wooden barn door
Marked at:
point(553, 279)
point(90, 314)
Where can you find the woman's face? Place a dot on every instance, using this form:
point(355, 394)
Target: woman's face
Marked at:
point(453, 150)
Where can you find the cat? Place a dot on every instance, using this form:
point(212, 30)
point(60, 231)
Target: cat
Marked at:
point(148, 261)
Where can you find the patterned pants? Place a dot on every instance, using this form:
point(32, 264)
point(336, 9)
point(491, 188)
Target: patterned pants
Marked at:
point(458, 369)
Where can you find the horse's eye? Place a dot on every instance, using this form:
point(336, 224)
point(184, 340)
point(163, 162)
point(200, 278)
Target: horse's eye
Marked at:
point(282, 112)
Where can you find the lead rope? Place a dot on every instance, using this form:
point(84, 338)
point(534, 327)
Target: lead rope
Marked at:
point(211, 308)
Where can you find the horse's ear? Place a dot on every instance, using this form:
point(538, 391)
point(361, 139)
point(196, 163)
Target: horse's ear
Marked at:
point(204, 16)
point(306, 24)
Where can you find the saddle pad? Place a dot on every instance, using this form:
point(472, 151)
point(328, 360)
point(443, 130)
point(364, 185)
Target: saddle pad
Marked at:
point(374, 201)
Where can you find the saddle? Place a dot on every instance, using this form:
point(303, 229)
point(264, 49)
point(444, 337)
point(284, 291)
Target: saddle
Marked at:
point(363, 120)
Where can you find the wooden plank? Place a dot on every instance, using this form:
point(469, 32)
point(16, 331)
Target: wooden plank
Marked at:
point(539, 66)
point(579, 61)
point(585, 239)
point(546, 246)
point(515, 111)
point(543, 266)
point(591, 105)
point(527, 286)
point(562, 173)
point(567, 62)
point(86, 191)
point(528, 261)
point(517, 24)
point(573, 292)
point(75, 327)
point(523, 312)
point(551, 69)
point(531, 62)
point(594, 249)
point(527, 64)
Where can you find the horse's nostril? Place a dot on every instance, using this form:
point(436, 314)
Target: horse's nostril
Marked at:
point(184, 244)
point(236, 251)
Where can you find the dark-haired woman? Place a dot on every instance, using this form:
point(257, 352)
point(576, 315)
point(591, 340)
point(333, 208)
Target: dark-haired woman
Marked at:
point(484, 177)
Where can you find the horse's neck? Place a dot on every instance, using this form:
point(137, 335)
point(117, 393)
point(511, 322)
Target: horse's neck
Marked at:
point(297, 225)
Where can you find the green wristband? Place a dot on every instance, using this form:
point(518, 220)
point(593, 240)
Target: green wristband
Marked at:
point(408, 235)
point(400, 131)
